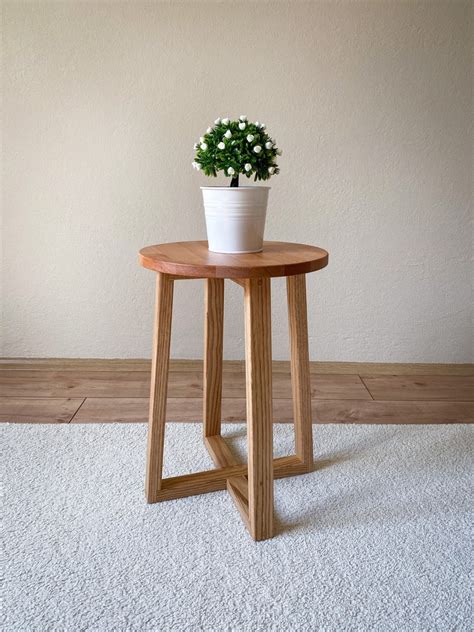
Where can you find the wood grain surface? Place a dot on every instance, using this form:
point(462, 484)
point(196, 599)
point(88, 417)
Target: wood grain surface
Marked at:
point(232, 366)
point(213, 349)
point(193, 259)
point(31, 410)
point(159, 385)
point(52, 391)
point(429, 387)
point(258, 362)
point(300, 376)
point(37, 383)
point(135, 410)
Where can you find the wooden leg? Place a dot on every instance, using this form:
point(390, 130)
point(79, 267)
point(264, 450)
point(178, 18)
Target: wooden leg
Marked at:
point(159, 386)
point(300, 377)
point(258, 359)
point(213, 341)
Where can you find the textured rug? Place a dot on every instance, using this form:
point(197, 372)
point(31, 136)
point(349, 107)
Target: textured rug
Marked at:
point(377, 538)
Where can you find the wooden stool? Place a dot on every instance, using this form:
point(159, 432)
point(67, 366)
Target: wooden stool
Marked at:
point(251, 486)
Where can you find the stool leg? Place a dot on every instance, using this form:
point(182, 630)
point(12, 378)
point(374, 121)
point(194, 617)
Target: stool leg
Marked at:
point(258, 367)
point(213, 344)
point(300, 378)
point(159, 385)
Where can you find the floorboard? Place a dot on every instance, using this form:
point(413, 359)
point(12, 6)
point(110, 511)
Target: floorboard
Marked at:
point(420, 387)
point(393, 412)
point(105, 391)
point(45, 410)
point(357, 368)
point(38, 383)
point(106, 410)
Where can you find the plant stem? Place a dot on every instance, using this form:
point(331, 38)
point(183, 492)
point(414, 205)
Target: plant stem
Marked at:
point(235, 181)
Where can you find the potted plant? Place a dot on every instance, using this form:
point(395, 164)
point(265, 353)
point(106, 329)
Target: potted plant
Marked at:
point(235, 215)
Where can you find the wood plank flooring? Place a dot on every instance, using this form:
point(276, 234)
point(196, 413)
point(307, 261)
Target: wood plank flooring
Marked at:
point(184, 384)
point(279, 366)
point(104, 391)
point(422, 387)
point(47, 410)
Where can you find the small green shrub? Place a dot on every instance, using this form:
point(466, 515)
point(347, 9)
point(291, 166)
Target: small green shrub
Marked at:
point(237, 147)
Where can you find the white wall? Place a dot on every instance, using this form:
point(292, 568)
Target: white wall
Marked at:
point(370, 103)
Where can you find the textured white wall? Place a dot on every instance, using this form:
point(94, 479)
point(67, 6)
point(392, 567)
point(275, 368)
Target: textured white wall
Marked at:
point(370, 103)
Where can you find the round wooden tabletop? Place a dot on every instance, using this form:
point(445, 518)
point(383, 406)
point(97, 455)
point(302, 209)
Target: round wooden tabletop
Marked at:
point(193, 259)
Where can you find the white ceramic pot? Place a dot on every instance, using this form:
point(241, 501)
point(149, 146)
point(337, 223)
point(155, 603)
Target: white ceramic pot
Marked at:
point(235, 218)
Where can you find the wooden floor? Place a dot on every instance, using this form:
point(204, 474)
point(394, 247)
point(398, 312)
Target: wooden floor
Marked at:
point(93, 391)
point(78, 391)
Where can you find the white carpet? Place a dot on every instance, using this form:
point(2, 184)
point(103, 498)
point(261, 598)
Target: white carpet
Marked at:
point(376, 539)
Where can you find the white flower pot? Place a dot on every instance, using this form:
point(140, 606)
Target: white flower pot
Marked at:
point(235, 218)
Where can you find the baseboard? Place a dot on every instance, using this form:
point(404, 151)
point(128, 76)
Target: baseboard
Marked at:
point(279, 366)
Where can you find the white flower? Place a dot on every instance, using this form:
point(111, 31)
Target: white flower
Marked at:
point(257, 149)
point(228, 134)
point(250, 138)
point(194, 164)
point(201, 139)
point(217, 121)
point(198, 166)
point(268, 145)
point(209, 130)
point(242, 126)
point(243, 117)
point(262, 125)
point(196, 145)
point(230, 171)
point(257, 124)
point(271, 169)
point(248, 166)
point(221, 145)
point(203, 146)
point(225, 121)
